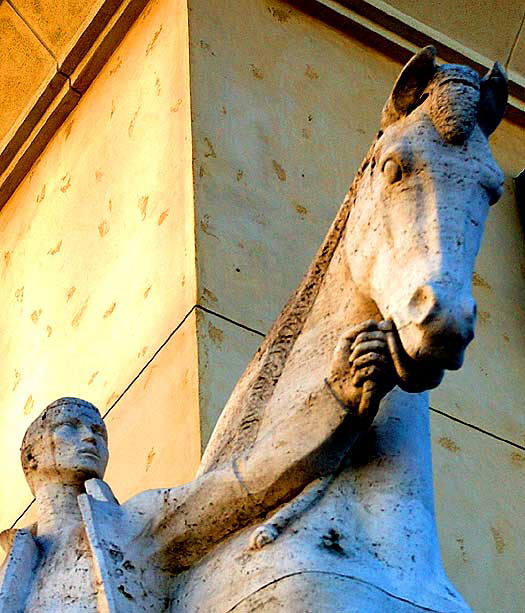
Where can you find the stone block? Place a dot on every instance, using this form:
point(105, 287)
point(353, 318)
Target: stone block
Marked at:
point(26, 66)
point(224, 351)
point(154, 430)
point(269, 85)
point(67, 27)
point(479, 505)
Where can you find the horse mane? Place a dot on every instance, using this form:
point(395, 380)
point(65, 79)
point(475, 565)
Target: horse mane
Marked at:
point(238, 425)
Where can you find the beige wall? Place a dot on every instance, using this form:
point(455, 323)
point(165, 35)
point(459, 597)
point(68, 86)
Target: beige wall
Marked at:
point(97, 268)
point(284, 109)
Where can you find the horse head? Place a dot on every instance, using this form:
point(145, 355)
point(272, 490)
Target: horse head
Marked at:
point(416, 224)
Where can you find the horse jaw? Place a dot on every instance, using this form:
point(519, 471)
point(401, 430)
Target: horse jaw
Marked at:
point(413, 240)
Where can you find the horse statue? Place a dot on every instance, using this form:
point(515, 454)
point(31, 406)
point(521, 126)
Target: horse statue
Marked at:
point(397, 263)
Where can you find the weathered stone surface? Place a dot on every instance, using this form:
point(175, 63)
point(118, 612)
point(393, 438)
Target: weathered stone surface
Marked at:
point(262, 157)
point(474, 478)
point(59, 23)
point(88, 552)
point(410, 257)
point(78, 63)
point(224, 351)
point(397, 266)
point(25, 65)
point(295, 593)
point(272, 214)
point(155, 426)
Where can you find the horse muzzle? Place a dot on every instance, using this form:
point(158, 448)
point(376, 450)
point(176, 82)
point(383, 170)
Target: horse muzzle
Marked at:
point(437, 326)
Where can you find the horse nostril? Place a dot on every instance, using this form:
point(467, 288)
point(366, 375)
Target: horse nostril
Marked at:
point(443, 315)
point(424, 305)
point(438, 324)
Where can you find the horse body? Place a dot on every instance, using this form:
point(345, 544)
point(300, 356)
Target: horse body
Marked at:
point(402, 248)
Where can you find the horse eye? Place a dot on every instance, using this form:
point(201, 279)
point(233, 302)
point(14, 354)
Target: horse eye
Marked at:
point(392, 171)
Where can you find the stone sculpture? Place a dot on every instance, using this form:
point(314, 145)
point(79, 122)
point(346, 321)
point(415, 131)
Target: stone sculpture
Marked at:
point(400, 254)
point(315, 491)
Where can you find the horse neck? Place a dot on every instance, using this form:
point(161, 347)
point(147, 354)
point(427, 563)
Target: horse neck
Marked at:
point(338, 306)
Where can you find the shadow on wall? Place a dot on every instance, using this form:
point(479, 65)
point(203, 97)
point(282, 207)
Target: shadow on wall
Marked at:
point(519, 188)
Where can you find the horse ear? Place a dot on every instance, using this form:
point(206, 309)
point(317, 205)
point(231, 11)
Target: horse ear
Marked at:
point(493, 99)
point(410, 85)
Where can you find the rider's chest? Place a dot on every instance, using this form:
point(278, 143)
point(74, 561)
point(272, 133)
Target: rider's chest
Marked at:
point(71, 568)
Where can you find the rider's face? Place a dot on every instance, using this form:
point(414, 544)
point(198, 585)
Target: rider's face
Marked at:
point(78, 449)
